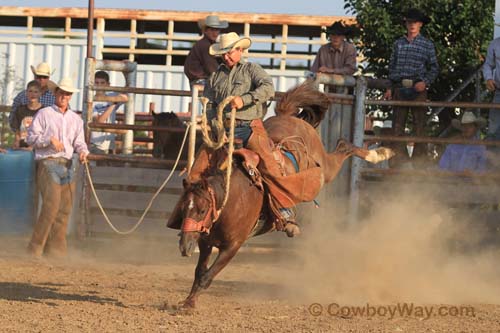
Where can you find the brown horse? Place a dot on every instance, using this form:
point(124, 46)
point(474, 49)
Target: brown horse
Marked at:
point(200, 203)
point(167, 144)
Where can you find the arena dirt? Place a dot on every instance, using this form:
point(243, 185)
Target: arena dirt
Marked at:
point(397, 257)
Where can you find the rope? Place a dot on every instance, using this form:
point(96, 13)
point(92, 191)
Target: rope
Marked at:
point(141, 219)
point(219, 126)
point(229, 152)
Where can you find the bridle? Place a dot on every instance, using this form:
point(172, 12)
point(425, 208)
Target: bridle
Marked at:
point(203, 226)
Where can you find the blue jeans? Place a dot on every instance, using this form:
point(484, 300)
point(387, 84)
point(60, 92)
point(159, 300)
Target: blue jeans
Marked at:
point(243, 132)
point(494, 119)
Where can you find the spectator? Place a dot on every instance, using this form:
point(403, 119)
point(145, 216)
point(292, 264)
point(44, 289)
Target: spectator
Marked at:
point(42, 74)
point(463, 157)
point(199, 63)
point(24, 113)
point(412, 68)
point(491, 74)
point(338, 56)
point(104, 112)
point(56, 132)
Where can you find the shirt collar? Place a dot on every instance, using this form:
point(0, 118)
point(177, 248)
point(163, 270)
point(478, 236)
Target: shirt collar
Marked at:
point(208, 39)
point(56, 108)
point(234, 67)
point(340, 49)
point(414, 39)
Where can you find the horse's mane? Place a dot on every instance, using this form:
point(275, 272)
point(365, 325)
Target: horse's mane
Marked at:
point(214, 179)
point(313, 103)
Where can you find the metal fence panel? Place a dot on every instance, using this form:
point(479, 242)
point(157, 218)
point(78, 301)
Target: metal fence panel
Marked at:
point(67, 58)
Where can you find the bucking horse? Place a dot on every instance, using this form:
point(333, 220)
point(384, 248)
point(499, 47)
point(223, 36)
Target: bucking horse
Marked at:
point(211, 214)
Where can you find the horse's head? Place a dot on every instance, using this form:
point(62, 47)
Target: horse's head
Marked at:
point(199, 210)
point(162, 140)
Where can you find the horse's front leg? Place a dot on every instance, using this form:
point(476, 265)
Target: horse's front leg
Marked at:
point(201, 269)
point(223, 258)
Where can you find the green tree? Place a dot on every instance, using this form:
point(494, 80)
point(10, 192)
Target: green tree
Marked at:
point(460, 29)
point(7, 75)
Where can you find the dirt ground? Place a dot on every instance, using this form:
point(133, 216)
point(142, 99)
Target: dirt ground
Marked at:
point(135, 285)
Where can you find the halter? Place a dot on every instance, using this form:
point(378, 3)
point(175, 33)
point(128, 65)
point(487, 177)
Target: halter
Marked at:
point(203, 226)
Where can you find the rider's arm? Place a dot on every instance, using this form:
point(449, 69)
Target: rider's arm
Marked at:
point(264, 88)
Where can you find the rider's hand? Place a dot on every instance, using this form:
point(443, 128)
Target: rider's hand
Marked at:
point(83, 157)
point(490, 85)
point(388, 94)
point(58, 146)
point(420, 86)
point(237, 103)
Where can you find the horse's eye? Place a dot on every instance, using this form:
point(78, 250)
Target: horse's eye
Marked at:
point(202, 212)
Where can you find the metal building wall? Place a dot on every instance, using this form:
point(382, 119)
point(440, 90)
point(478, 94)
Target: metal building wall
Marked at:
point(67, 58)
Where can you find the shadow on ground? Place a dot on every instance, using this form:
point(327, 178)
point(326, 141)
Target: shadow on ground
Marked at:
point(26, 292)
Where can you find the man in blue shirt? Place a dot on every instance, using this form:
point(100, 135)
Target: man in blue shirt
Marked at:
point(462, 157)
point(491, 74)
point(412, 68)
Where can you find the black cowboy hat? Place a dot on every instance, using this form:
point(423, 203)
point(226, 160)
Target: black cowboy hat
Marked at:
point(337, 28)
point(414, 14)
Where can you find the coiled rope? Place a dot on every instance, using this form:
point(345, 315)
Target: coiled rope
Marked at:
point(221, 137)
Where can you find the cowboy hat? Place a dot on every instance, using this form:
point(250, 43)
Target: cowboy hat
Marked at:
point(337, 28)
point(468, 118)
point(43, 69)
point(414, 14)
point(227, 42)
point(212, 21)
point(66, 84)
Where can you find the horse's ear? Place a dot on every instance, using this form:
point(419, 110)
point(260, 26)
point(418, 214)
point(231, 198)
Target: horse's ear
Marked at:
point(186, 184)
point(152, 109)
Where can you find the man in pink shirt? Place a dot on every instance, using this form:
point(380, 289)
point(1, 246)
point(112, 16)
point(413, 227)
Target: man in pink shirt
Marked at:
point(55, 134)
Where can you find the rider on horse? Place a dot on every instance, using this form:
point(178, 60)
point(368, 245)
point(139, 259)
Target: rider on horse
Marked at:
point(253, 88)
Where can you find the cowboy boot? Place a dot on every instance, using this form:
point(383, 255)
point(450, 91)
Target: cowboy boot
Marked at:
point(259, 142)
point(291, 227)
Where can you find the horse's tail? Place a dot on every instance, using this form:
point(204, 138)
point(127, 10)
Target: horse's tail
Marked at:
point(305, 102)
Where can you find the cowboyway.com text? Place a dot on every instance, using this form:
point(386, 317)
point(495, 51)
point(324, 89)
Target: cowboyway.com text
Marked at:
point(391, 311)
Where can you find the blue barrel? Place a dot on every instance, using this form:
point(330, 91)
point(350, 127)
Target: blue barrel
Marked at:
point(17, 179)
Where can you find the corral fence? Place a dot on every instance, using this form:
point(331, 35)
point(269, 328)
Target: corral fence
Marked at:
point(149, 47)
point(125, 191)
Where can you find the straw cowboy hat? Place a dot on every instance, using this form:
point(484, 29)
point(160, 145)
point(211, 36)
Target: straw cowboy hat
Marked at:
point(43, 69)
point(416, 15)
point(338, 29)
point(66, 84)
point(227, 42)
point(212, 21)
point(468, 118)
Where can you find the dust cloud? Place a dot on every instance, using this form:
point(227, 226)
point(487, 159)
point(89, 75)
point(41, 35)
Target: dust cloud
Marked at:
point(408, 248)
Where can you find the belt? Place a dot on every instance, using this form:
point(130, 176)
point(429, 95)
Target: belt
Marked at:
point(237, 122)
point(60, 160)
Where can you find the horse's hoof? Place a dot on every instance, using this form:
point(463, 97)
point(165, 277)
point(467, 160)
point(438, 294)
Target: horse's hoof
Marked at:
point(187, 305)
point(172, 309)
